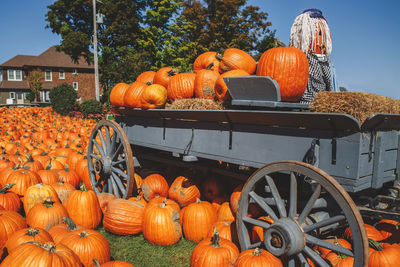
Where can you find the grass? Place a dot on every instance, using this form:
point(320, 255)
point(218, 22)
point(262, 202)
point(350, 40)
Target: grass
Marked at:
point(139, 252)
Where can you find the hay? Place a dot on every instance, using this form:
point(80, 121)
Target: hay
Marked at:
point(195, 103)
point(357, 104)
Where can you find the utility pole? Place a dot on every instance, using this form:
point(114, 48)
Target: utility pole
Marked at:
point(96, 63)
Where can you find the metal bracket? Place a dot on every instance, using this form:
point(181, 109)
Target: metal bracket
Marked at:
point(230, 130)
point(312, 155)
point(333, 142)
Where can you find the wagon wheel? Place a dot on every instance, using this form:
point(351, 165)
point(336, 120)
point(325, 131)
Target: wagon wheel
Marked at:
point(110, 160)
point(291, 236)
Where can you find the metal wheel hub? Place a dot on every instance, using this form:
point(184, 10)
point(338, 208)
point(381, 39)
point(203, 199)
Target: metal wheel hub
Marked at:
point(284, 237)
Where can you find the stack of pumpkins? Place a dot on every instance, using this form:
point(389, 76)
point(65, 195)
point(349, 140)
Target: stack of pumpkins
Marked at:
point(287, 65)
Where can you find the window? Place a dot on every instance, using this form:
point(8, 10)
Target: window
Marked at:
point(61, 75)
point(12, 95)
point(75, 85)
point(19, 95)
point(75, 72)
point(1, 75)
point(26, 96)
point(48, 75)
point(14, 75)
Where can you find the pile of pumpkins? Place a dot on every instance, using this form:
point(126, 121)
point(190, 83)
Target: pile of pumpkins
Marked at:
point(48, 212)
point(287, 65)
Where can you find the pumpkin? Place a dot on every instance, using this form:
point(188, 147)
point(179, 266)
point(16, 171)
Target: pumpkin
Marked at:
point(181, 86)
point(161, 225)
point(163, 76)
point(372, 233)
point(211, 188)
point(69, 176)
point(168, 202)
point(73, 160)
point(37, 194)
point(226, 230)
point(257, 232)
point(206, 60)
point(138, 199)
point(153, 96)
point(339, 260)
point(88, 244)
point(383, 254)
point(123, 217)
point(235, 197)
point(221, 90)
point(214, 251)
point(204, 83)
point(46, 214)
point(48, 176)
point(104, 199)
point(83, 207)
point(289, 67)
point(58, 231)
point(197, 220)
point(237, 59)
point(153, 185)
point(183, 191)
point(118, 93)
point(63, 189)
point(336, 241)
point(146, 77)
point(389, 228)
point(5, 163)
point(27, 235)
point(225, 213)
point(112, 264)
point(133, 95)
point(257, 257)
point(22, 180)
point(10, 222)
point(9, 200)
point(42, 254)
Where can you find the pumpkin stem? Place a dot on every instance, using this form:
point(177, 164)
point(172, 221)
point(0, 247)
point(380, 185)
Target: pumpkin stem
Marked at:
point(32, 232)
point(6, 188)
point(46, 246)
point(82, 187)
point(215, 238)
point(257, 252)
point(83, 234)
point(70, 223)
point(48, 203)
point(29, 157)
point(219, 56)
point(210, 66)
point(375, 244)
point(96, 262)
point(172, 72)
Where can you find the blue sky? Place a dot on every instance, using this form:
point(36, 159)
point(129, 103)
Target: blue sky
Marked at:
point(365, 36)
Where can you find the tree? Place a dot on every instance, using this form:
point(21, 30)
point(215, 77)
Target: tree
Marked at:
point(269, 41)
point(63, 98)
point(35, 84)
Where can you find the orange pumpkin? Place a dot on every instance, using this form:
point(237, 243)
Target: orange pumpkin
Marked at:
point(289, 67)
point(10, 222)
point(183, 191)
point(221, 90)
point(27, 235)
point(118, 93)
point(205, 60)
point(146, 77)
point(237, 59)
point(181, 86)
point(257, 257)
point(154, 185)
point(9, 200)
point(163, 76)
point(46, 214)
point(133, 95)
point(153, 96)
point(204, 83)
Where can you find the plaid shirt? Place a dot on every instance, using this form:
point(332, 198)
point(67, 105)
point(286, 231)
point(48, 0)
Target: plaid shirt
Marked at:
point(319, 77)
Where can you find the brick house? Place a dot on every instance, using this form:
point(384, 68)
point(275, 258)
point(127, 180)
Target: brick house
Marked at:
point(56, 68)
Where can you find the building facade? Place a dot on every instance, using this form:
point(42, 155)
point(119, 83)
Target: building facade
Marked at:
point(54, 68)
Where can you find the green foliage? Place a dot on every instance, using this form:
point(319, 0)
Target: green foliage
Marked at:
point(268, 42)
point(35, 84)
point(139, 252)
point(63, 98)
point(141, 35)
point(31, 96)
point(91, 106)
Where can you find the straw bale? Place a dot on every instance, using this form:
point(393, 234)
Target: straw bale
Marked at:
point(195, 103)
point(357, 104)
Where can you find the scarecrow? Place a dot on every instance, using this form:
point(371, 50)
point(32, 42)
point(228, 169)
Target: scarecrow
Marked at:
point(310, 33)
